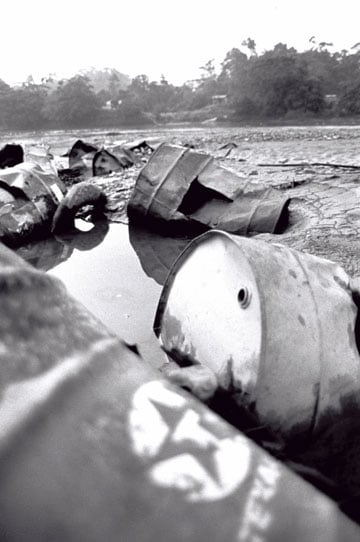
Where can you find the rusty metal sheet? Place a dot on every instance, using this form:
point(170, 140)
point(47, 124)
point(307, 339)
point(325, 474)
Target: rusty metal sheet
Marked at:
point(223, 180)
point(105, 162)
point(255, 212)
point(94, 445)
point(21, 221)
point(34, 182)
point(36, 194)
point(79, 151)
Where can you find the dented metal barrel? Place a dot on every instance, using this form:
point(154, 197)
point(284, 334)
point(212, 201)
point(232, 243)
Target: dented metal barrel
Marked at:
point(188, 186)
point(276, 325)
point(29, 197)
point(34, 183)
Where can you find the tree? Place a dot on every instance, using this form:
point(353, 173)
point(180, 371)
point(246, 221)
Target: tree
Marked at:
point(274, 84)
point(283, 84)
point(114, 86)
point(208, 70)
point(322, 65)
point(73, 103)
point(27, 104)
point(5, 95)
point(349, 100)
point(29, 81)
point(251, 45)
point(233, 73)
point(207, 86)
point(22, 107)
point(346, 71)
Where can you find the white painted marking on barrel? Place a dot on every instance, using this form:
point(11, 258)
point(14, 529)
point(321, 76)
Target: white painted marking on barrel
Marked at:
point(188, 455)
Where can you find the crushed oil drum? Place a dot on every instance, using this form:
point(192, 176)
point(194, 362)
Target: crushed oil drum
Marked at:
point(34, 197)
point(179, 183)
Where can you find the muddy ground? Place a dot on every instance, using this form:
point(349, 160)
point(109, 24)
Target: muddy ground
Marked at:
point(324, 212)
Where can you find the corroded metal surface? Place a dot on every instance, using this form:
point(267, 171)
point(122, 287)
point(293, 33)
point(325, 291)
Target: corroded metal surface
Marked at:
point(272, 323)
point(35, 183)
point(37, 194)
point(180, 183)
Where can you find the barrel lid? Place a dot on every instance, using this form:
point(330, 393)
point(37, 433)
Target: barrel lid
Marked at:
point(210, 311)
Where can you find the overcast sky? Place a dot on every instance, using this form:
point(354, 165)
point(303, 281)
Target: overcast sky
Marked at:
point(157, 37)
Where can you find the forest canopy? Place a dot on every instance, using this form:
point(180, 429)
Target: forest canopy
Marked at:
point(281, 83)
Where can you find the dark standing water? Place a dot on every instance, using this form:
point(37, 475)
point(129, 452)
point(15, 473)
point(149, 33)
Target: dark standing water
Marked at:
point(111, 283)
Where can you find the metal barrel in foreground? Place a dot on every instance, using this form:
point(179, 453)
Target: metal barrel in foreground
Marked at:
point(94, 445)
point(276, 325)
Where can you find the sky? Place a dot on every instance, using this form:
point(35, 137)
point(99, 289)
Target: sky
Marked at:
point(156, 37)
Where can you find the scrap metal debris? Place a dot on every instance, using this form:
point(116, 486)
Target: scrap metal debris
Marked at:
point(86, 160)
point(204, 194)
point(34, 203)
point(181, 184)
point(35, 197)
point(31, 194)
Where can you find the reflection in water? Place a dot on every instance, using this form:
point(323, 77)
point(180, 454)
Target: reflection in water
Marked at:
point(85, 240)
point(109, 281)
point(47, 253)
point(156, 252)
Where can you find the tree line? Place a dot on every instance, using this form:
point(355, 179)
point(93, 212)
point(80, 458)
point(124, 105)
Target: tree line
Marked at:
point(280, 83)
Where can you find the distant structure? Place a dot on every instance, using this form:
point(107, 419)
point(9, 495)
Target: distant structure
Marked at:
point(219, 99)
point(111, 104)
point(331, 99)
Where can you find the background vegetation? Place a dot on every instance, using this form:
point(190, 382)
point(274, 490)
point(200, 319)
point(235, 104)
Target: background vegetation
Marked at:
point(277, 84)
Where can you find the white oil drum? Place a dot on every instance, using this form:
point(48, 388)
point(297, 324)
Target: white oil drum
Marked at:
point(275, 325)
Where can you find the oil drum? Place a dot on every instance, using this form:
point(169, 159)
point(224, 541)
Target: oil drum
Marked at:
point(274, 324)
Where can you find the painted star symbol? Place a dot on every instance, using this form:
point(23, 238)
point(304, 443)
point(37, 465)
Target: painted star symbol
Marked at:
point(172, 446)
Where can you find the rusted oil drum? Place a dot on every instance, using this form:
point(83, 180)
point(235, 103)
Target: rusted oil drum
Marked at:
point(35, 183)
point(31, 198)
point(188, 187)
point(272, 323)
